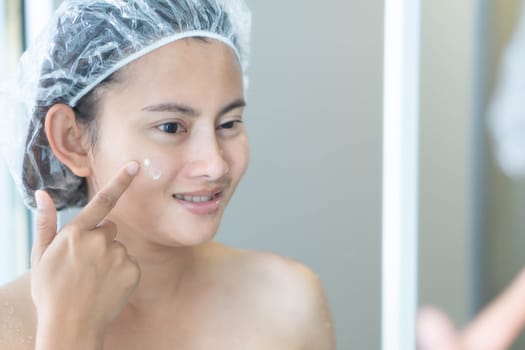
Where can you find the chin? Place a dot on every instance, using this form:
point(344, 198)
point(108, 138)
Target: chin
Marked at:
point(190, 236)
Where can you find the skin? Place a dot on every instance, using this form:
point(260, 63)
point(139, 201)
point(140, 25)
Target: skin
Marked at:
point(495, 328)
point(137, 269)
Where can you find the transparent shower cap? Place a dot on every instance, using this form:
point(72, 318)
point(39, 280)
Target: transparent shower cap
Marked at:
point(84, 43)
point(507, 109)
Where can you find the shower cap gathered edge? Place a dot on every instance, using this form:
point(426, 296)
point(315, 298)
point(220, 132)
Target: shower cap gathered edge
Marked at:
point(148, 49)
point(239, 18)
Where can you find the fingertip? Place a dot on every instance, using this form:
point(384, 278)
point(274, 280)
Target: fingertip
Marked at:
point(41, 199)
point(133, 168)
point(434, 329)
point(429, 312)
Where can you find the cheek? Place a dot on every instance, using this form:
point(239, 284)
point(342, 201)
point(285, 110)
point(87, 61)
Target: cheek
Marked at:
point(152, 168)
point(109, 157)
point(146, 196)
point(105, 165)
point(237, 155)
point(159, 167)
point(113, 148)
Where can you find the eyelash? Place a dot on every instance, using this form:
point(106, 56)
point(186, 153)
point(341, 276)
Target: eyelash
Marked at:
point(230, 125)
point(162, 127)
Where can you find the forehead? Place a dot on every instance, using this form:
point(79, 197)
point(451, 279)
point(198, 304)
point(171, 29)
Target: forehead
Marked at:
point(186, 65)
point(204, 75)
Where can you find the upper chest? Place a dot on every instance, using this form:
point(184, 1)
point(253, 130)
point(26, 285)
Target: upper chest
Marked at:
point(190, 331)
point(206, 321)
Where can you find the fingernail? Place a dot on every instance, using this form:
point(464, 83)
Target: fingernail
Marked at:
point(133, 168)
point(41, 202)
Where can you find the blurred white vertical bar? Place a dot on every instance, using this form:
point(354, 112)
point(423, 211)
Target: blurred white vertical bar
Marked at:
point(5, 239)
point(400, 173)
point(3, 37)
point(37, 13)
point(16, 224)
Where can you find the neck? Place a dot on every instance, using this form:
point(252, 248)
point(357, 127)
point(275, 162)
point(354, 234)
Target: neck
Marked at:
point(165, 272)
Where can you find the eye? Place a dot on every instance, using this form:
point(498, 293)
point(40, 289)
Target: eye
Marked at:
point(170, 128)
point(230, 125)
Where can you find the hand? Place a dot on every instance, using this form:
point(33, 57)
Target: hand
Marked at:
point(81, 277)
point(495, 328)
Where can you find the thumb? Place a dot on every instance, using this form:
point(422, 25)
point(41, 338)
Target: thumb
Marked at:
point(45, 225)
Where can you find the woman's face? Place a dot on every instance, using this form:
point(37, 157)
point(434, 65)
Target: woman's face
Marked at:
point(178, 112)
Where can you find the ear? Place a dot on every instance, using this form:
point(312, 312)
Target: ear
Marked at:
point(68, 139)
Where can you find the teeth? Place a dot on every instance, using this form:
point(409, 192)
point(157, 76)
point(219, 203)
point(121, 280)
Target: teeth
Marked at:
point(196, 199)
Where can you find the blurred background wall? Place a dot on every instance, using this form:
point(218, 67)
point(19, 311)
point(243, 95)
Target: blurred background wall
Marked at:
point(504, 214)
point(472, 226)
point(450, 187)
point(313, 189)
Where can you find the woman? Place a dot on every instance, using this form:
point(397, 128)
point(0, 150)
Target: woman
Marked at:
point(136, 111)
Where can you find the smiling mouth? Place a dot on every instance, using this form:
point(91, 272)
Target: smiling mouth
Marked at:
point(196, 199)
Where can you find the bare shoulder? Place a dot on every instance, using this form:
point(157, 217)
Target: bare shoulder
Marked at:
point(17, 320)
point(289, 293)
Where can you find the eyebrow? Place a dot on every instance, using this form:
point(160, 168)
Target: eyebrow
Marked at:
point(172, 107)
point(189, 111)
point(233, 105)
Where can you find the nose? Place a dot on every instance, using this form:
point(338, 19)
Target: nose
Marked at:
point(206, 158)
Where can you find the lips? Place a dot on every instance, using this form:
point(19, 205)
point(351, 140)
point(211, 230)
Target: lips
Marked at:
point(200, 203)
point(196, 199)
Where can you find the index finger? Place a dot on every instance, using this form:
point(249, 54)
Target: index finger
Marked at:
point(102, 203)
point(500, 323)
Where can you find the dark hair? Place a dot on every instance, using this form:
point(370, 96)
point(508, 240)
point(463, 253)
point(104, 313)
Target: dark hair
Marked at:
point(39, 157)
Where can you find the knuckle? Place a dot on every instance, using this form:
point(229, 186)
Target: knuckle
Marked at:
point(71, 238)
point(71, 234)
point(121, 183)
point(42, 224)
point(105, 199)
point(98, 239)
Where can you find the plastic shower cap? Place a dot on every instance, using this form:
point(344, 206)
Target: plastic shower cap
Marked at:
point(507, 109)
point(85, 42)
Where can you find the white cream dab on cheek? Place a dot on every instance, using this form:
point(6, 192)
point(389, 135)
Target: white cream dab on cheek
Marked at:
point(153, 172)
